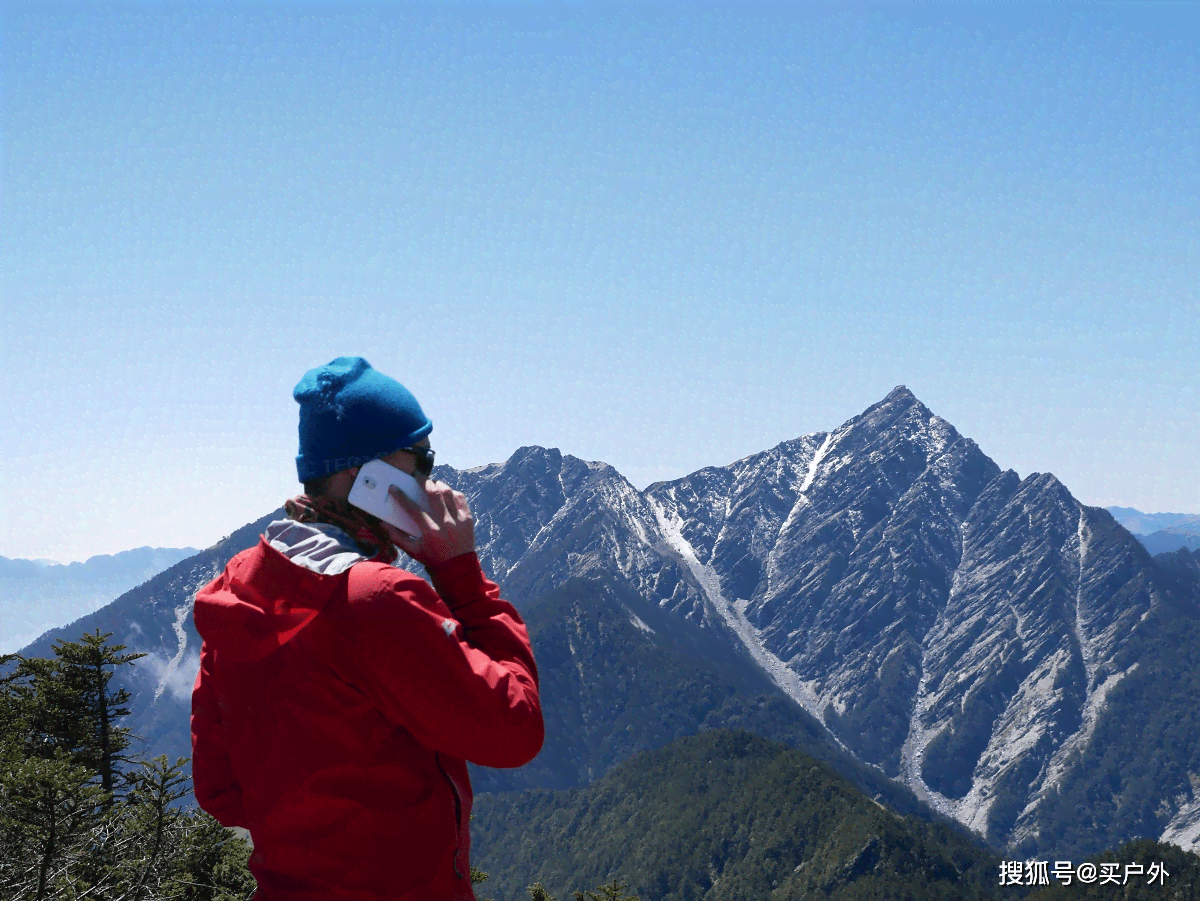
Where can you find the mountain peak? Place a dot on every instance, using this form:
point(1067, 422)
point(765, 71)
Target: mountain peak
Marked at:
point(898, 402)
point(535, 451)
point(900, 416)
point(1044, 480)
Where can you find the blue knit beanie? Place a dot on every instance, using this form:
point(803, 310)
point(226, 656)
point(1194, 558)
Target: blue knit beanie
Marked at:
point(351, 413)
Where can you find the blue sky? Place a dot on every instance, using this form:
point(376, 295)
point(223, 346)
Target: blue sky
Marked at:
point(661, 237)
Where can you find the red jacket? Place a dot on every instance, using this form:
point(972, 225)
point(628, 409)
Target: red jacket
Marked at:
point(334, 712)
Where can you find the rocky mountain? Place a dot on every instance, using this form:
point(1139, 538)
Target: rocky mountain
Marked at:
point(954, 625)
point(36, 595)
point(984, 640)
point(621, 676)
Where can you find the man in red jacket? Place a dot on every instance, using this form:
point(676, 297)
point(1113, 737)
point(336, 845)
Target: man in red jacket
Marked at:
point(339, 697)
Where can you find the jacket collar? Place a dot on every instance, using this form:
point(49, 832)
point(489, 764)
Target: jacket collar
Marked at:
point(319, 547)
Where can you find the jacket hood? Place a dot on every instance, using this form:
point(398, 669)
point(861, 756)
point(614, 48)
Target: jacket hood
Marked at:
point(269, 593)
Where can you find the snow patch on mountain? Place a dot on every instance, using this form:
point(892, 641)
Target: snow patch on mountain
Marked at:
point(1086, 648)
point(169, 673)
point(636, 620)
point(182, 612)
point(1056, 767)
point(1184, 828)
point(933, 437)
point(735, 617)
point(818, 457)
point(913, 750)
point(630, 503)
point(801, 500)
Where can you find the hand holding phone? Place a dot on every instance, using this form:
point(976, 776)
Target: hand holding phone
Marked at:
point(447, 527)
point(372, 492)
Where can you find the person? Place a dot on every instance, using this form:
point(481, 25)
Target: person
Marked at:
point(339, 696)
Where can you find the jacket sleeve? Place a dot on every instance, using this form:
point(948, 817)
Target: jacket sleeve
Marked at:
point(453, 666)
point(212, 774)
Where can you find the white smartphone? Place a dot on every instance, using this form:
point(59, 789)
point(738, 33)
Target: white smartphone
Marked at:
point(370, 493)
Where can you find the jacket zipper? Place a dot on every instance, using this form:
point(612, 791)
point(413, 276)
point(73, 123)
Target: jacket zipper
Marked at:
point(457, 814)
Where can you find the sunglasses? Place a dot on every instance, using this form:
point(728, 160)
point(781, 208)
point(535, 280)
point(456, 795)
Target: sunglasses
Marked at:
point(424, 457)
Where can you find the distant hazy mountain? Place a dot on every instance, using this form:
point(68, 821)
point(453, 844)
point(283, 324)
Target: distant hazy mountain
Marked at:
point(1161, 532)
point(36, 595)
point(1172, 538)
point(882, 594)
point(1140, 523)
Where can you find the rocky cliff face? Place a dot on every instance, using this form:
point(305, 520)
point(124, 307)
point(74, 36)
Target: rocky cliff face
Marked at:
point(954, 625)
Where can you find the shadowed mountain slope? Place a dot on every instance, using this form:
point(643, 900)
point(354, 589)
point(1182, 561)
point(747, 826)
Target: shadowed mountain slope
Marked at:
point(620, 676)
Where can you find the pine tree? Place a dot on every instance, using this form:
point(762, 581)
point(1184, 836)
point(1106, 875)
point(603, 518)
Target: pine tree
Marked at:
point(613, 892)
point(49, 804)
point(154, 789)
point(210, 864)
point(64, 836)
point(46, 712)
point(85, 667)
point(65, 704)
point(48, 810)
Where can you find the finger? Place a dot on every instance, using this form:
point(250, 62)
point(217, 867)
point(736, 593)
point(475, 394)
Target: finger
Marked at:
point(396, 492)
point(440, 500)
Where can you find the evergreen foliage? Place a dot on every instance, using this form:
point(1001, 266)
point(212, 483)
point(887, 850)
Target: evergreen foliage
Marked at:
point(65, 705)
point(615, 891)
point(1182, 882)
point(721, 816)
point(81, 819)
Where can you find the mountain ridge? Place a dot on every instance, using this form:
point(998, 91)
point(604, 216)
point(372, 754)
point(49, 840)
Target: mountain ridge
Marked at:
point(953, 626)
